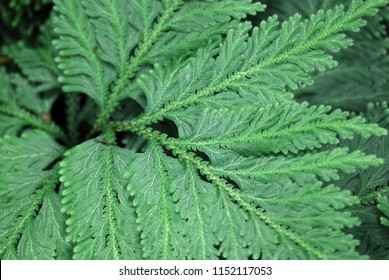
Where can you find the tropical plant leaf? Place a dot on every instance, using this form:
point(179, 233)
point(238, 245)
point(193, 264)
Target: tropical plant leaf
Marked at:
point(169, 129)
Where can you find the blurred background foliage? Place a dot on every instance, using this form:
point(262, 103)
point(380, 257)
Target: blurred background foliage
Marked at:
point(21, 19)
point(362, 75)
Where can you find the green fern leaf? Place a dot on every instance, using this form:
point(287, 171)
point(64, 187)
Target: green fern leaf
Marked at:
point(24, 186)
point(284, 58)
point(383, 206)
point(362, 75)
point(266, 223)
point(45, 237)
point(106, 39)
point(86, 73)
point(17, 105)
point(364, 182)
point(196, 206)
point(287, 59)
point(101, 220)
point(303, 170)
point(37, 63)
point(370, 184)
point(272, 128)
point(194, 146)
point(151, 175)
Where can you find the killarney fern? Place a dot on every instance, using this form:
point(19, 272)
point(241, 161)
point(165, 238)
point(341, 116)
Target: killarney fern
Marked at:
point(144, 129)
point(363, 72)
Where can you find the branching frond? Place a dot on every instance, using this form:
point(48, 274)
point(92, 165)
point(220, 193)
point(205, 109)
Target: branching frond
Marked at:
point(369, 185)
point(272, 128)
point(362, 75)
point(151, 177)
point(37, 63)
point(94, 47)
point(18, 98)
point(266, 221)
point(273, 59)
point(383, 206)
point(184, 136)
point(302, 169)
point(26, 187)
point(101, 220)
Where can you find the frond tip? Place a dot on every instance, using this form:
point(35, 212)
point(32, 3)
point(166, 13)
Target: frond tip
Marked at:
point(271, 129)
point(383, 206)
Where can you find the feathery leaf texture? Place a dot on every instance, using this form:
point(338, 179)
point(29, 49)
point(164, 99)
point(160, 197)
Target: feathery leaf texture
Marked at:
point(37, 63)
point(383, 206)
point(102, 42)
point(272, 128)
point(21, 103)
point(273, 58)
point(101, 220)
point(303, 169)
point(25, 187)
point(279, 231)
point(249, 173)
point(161, 238)
point(370, 185)
point(286, 57)
point(362, 75)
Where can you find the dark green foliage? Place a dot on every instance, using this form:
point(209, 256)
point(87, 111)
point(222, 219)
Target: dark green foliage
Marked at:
point(21, 19)
point(371, 187)
point(171, 129)
point(363, 72)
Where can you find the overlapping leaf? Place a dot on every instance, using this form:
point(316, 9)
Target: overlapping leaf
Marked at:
point(265, 64)
point(244, 176)
point(22, 106)
point(301, 169)
point(37, 63)
point(272, 128)
point(369, 185)
point(151, 175)
point(362, 75)
point(101, 220)
point(108, 31)
point(243, 69)
point(383, 206)
point(25, 188)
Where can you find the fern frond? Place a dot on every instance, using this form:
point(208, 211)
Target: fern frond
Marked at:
point(272, 128)
point(24, 117)
point(17, 98)
point(197, 15)
point(370, 184)
point(204, 152)
point(272, 58)
point(10, 125)
point(383, 206)
point(268, 224)
point(278, 201)
point(85, 71)
point(196, 204)
point(37, 63)
point(106, 40)
point(101, 220)
point(362, 75)
point(363, 183)
point(25, 185)
point(303, 170)
point(150, 178)
point(44, 237)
